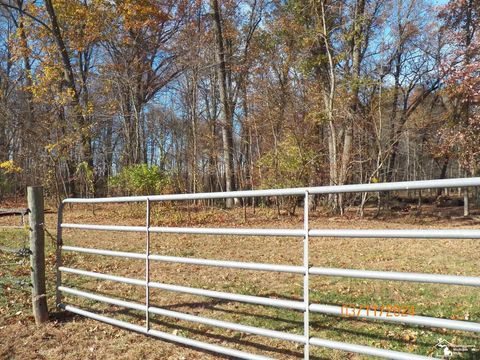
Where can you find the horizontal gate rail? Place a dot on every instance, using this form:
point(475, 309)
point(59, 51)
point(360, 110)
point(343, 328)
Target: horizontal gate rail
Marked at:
point(335, 189)
point(103, 227)
point(360, 349)
point(97, 275)
point(165, 336)
point(199, 231)
point(390, 317)
point(281, 303)
point(398, 234)
point(124, 254)
point(398, 276)
point(102, 298)
point(194, 261)
point(306, 270)
point(230, 264)
point(228, 231)
point(289, 304)
point(187, 317)
point(366, 350)
point(353, 273)
point(343, 233)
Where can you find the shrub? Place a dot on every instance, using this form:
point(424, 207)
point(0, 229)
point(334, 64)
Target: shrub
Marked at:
point(140, 179)
point(289, 165)
point(8, 170)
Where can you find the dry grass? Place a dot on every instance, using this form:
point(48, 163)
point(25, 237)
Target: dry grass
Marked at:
point(76, 337)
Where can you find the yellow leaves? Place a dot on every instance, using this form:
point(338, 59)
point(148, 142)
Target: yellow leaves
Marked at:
point(89, 109)
point(63, 146)
point(51, 72)
point(65, 97)
point(287, 165)
point(50, 147)
point(70, 92)
point(47, 80)
point(9, 167)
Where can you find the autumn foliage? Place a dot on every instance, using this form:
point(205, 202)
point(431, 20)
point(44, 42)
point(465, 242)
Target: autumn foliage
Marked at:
point(236, 94)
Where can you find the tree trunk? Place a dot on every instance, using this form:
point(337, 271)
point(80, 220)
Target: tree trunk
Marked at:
point(80, 120)
point(194, 120)
point(246, 141)
point(393, 143)
point(443, 173)
point(226, 122)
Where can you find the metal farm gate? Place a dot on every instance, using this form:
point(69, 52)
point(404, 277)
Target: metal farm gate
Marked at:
point(303, 268)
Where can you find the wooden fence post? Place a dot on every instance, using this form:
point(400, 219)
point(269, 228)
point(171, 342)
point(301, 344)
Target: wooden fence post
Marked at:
point(37, 257)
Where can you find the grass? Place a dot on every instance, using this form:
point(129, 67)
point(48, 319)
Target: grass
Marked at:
point(14, 274)
point(68, 338)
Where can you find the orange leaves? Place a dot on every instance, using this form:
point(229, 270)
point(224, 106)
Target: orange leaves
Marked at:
point(18, 45)
point(141, 14)
point(83, 23)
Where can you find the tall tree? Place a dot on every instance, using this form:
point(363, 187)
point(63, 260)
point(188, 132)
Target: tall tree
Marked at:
point(461, 66)
point(227, 114)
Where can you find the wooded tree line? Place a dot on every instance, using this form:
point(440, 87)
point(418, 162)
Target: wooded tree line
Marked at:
point(102, 97)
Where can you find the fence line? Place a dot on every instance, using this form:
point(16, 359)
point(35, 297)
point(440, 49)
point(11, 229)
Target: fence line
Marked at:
point(305, 270)
point(314, 190)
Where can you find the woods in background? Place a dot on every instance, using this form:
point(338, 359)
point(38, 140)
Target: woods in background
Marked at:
point(140, 96)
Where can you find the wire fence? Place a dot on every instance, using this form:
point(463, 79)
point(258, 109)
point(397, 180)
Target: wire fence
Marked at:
point(14, 258)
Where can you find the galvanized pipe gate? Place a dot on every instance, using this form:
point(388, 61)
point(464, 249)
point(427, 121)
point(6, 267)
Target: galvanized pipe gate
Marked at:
point(305, 269)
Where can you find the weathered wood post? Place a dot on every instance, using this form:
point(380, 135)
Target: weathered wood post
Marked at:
point(37, 257)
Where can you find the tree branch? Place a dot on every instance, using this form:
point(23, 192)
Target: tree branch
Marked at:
point(20, 10)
